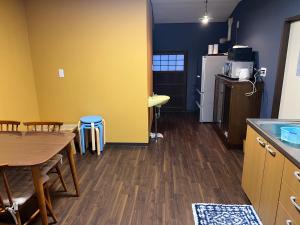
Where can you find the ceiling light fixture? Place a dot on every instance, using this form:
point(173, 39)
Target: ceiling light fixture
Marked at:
point(205, 19)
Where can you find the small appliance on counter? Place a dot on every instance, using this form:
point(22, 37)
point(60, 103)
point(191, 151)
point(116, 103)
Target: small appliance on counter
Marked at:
point(210, 49)
point(240, 53)
point(213, 49)
point(238, 70)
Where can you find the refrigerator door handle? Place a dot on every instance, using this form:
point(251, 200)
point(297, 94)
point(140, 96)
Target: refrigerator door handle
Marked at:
point(199, 92)
point(200, 114)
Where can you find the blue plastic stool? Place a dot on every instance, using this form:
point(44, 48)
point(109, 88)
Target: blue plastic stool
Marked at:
point(86, 123)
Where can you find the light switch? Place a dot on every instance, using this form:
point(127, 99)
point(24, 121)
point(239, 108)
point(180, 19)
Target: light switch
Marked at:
point(61, 73)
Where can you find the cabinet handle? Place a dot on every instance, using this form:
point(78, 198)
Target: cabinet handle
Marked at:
point(297, 175)
point(289, 222)
point(270, 150)
point(293, 201)
point(263, 144)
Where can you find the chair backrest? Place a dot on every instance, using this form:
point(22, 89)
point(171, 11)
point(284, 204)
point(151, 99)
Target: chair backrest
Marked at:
point(21, 187)
point(6, 187)
point(43, 126)
point(9, 125)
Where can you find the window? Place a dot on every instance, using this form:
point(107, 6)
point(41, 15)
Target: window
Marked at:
point(168, 63)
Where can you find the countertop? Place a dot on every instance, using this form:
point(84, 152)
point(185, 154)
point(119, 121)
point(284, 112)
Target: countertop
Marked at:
point(288, 150)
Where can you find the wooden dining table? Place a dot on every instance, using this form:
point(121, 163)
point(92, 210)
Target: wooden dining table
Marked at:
point(31, 149)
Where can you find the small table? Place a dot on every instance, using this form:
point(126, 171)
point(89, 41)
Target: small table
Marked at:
point(19, 149)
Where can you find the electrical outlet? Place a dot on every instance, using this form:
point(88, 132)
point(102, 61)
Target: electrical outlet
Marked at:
point(263, 71)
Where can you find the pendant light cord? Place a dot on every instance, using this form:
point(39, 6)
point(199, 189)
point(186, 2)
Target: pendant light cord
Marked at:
point(152, 13)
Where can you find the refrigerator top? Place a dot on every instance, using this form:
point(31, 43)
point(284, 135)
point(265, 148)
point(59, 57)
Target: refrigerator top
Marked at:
point(214, 55)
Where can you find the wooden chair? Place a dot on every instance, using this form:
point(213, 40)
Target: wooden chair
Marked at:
point(18, 192)
point(9, 125)
point(52, 165)
point(43, 126)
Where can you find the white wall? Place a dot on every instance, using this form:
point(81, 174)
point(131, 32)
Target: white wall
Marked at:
point(290, 98)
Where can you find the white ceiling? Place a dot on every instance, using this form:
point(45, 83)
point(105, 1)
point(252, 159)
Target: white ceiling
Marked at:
point(188, 11)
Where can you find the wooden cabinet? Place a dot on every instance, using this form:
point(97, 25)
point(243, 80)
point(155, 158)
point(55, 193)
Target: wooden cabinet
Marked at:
point(271, 183)
point(291, 176)
point(290, 192)
point(232, 107)
point(283, 218)
point(285, 200)
point(254, 162)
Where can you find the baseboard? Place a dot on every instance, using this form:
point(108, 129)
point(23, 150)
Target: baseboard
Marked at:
point(126, 144)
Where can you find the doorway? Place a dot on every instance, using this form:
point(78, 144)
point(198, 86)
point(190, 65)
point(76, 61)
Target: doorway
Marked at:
point(288, 75)
point(291, 82)
point(170, 78)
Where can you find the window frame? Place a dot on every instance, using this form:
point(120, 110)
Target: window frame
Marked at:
point(179, 65)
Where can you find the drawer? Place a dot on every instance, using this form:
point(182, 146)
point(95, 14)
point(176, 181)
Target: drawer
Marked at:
point(291, 176)
point(283, 218)
point(285, 200)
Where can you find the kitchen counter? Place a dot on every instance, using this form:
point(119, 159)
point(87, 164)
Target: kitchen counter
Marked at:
point(269, 129)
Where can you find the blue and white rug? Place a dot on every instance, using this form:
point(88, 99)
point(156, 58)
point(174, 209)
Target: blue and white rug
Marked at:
point(218, 214)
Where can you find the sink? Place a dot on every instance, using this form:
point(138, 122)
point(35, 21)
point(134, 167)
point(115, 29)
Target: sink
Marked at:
point(157, 100)
point(274, 129)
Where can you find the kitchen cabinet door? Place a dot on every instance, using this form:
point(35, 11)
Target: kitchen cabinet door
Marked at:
point(254, 161)
point(271, 183)
point(283, 218)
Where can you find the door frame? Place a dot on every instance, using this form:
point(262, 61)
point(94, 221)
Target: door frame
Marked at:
point(281, 64)
point(185, 53)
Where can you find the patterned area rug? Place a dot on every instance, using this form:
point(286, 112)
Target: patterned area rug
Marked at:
point(217, 214)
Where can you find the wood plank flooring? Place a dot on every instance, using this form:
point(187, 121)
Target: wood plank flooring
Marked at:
point(156, 184)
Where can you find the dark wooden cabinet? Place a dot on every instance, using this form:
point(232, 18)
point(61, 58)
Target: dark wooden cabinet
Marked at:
point(232, 107)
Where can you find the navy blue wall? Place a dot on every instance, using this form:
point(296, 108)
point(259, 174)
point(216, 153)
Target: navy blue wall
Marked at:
point(261, 24)
point(193, 38)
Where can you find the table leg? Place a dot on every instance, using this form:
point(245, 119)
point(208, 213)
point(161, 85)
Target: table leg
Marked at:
point(73, 168)
point(38, 185)
point(73, 147)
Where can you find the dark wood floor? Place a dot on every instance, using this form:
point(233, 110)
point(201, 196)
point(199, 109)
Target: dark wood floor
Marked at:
point(154, 185)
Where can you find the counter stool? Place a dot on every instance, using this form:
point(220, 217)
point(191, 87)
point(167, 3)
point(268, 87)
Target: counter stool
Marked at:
point(96, 125)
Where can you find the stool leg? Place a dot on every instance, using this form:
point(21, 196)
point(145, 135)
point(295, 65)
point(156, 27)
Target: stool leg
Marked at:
point(82, 143)
point(79, 135)
point(101, 138)
point(104, 137)
point(93, 136)
point(98, 140)
point(86, 138)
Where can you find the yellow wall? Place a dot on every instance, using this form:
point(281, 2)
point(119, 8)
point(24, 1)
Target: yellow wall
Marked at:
point(149, 48)
point(102, 46)
point(17, 87)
